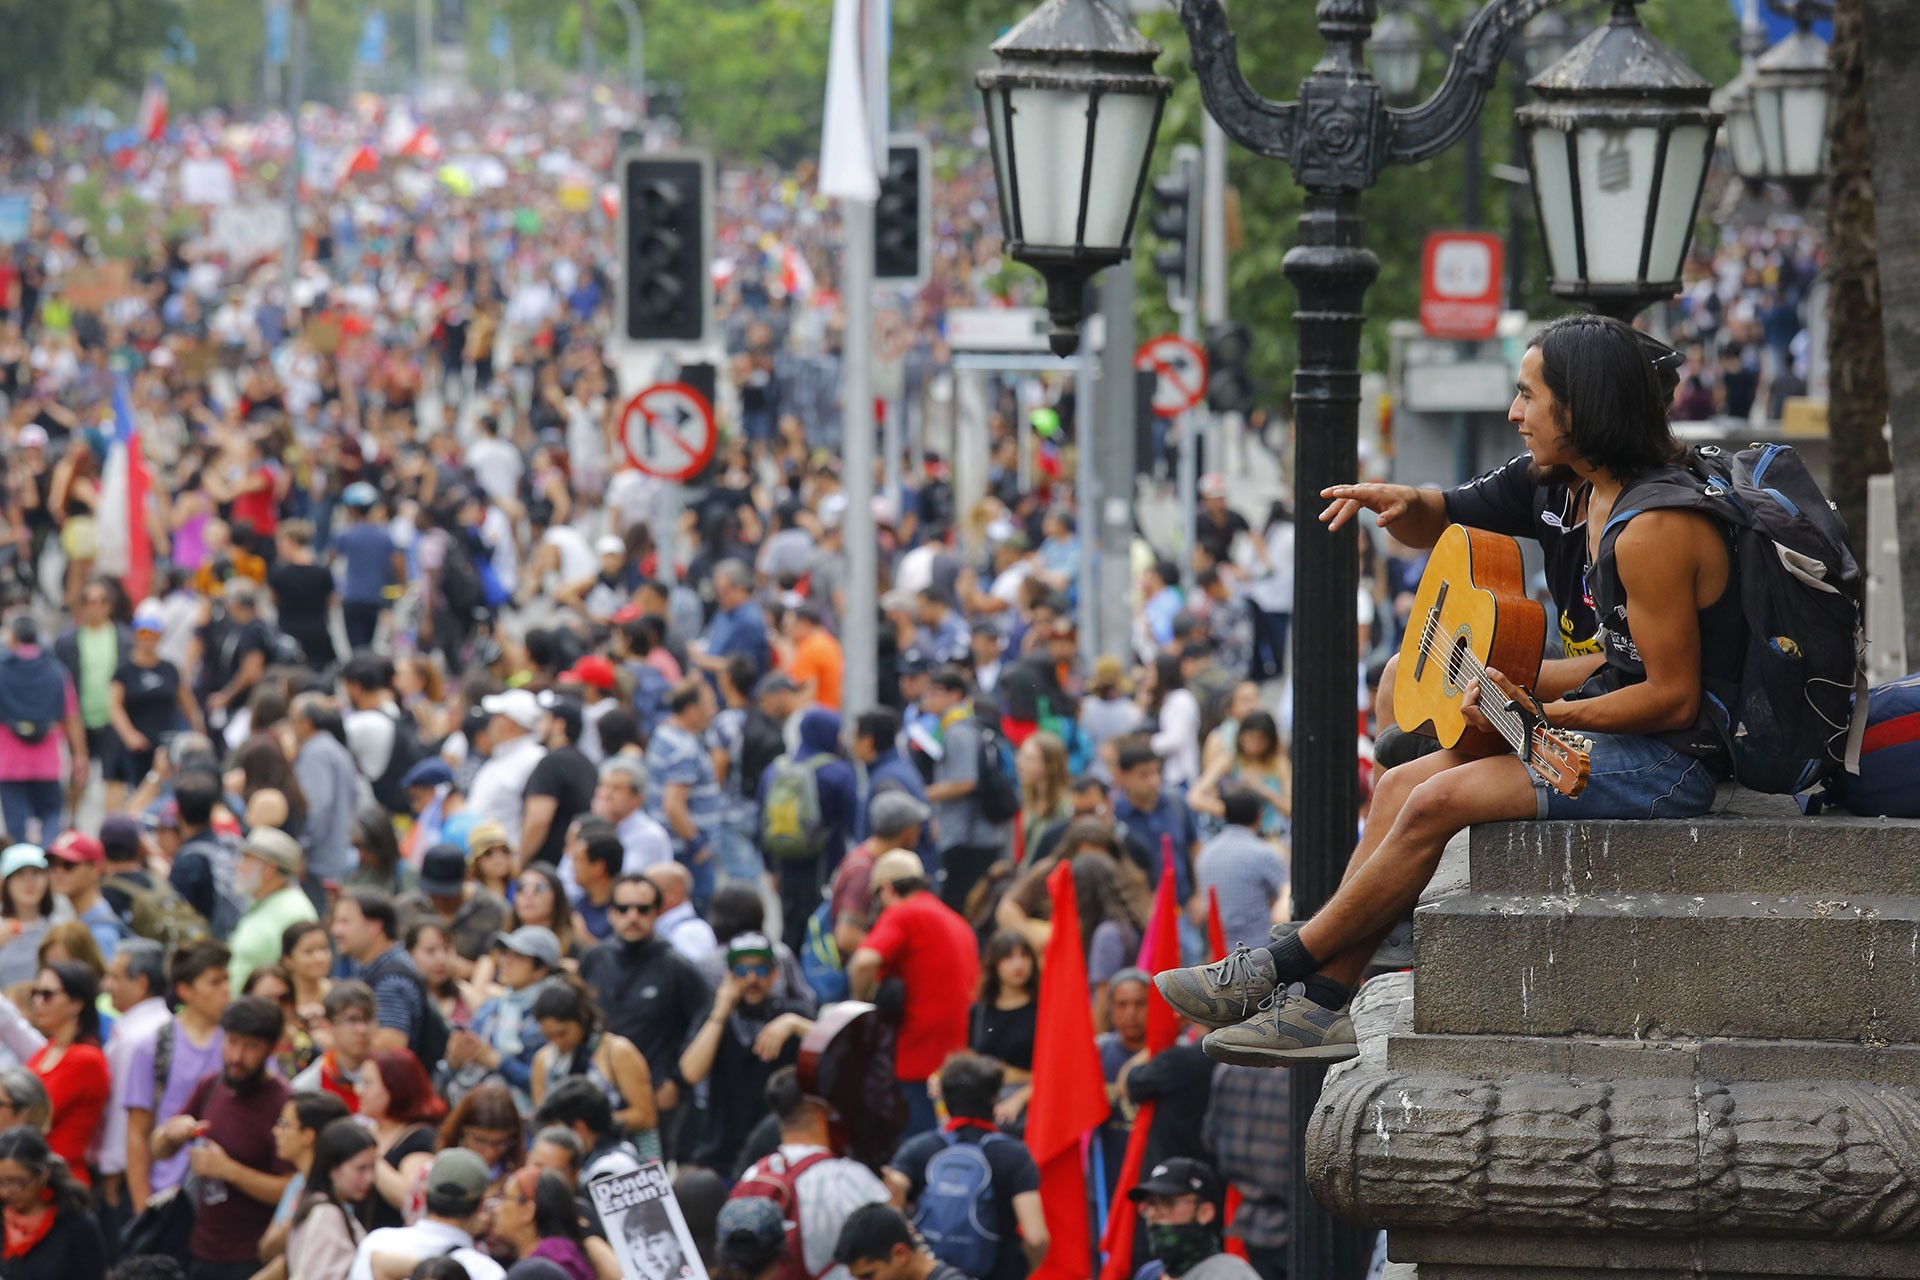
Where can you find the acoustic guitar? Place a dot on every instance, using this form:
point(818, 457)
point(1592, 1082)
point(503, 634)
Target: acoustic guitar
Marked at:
point(1472, 613)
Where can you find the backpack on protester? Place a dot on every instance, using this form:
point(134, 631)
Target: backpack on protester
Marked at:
point(160, 914)
point(1794, 718)
point(820, 961)
point(33, 696)
point(407, 751)
point(429, 1040)
point(1889, 758)
point(776, 1180)
point(956, 1214)
point(994, 790)
point(793, 827)
point(460, 581)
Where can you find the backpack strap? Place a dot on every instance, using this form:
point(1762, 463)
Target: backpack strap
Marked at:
point(162, 1060)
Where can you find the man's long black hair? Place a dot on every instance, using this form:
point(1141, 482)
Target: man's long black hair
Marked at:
point(1609, 395)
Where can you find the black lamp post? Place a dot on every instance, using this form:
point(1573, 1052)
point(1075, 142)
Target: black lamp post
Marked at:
point(1072, 112)
point(1789, 94)
point(1338, 137)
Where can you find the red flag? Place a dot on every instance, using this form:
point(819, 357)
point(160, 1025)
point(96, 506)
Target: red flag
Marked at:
point(1160, 951)
point(1216, 932)
point(151, 124)
point(1069, 1089)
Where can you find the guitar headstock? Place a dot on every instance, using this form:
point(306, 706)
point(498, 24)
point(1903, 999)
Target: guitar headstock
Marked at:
point(1560, 758)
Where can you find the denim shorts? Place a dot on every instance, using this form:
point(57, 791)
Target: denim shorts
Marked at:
point(1633, 777)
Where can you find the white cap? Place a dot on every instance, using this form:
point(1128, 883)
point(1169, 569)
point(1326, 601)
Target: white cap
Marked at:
point(833, 509)
point(610, 546)
point(517, 705)
point(33, 436)
point(1213, 485)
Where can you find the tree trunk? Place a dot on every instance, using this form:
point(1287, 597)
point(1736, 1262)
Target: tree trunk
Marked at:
point(1892, 40)
point(1856, 347)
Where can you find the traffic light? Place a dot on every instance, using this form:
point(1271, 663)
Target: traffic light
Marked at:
point(1175, 221)
point(901, 216)
point(1229, 383)
point(666, 243)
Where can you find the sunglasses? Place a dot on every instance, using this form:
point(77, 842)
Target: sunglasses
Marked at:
point(46, 993)
point(752, 970)
point(624, 908)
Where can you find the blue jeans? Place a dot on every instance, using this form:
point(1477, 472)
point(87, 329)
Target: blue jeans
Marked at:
point(739, 857)
point(21, 802)
point(1633, 777)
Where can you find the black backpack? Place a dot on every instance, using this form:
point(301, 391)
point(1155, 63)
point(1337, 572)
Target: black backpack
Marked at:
point(1799, 710)
point(460, 582)
point(994, 790)
point(431, 1033)
point(408, 751)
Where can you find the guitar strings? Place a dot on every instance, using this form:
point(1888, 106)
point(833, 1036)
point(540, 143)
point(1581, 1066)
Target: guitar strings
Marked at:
point(1471, 662)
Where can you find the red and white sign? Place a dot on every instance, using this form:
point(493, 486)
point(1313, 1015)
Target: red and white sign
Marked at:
point(668, 431)
point(1460, 279)
point(1179, 370)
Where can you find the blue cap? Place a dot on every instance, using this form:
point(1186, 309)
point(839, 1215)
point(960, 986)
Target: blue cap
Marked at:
point(150, 617)
point(359, 495)
point(431, 772)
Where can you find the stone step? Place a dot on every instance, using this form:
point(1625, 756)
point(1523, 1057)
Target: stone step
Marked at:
point(1827, 856)
point(1615, 1058)
point(1647, 965)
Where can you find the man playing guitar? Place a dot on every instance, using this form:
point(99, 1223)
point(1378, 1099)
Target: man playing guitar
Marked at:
point(1589, 407)
point(1521, 499)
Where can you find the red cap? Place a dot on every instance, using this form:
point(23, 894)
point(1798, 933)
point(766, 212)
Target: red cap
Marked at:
point(593, 671)
point(77, 846)
point(627, 613)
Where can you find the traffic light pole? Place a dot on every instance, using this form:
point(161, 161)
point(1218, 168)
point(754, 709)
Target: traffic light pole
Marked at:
point(1213, 255)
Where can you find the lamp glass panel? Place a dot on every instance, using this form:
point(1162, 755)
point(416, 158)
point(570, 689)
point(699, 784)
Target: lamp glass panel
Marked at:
point(996, 133)
point(1743, 141)
point(1688, 148)
point(1803, 117)
point(1122, 148)
point(1771, 130)
point(1554, 187)
point(1049, 135)
point(1616, 183)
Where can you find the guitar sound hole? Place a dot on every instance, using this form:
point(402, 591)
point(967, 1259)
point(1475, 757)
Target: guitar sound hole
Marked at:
point(1457, 655)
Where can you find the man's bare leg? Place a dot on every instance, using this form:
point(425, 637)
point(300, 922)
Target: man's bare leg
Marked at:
point(1381, 888)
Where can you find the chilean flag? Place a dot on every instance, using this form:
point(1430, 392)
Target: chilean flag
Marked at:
point(125, 549)
point(152, 123)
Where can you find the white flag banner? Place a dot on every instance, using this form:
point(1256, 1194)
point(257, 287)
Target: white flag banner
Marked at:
point(846, 141)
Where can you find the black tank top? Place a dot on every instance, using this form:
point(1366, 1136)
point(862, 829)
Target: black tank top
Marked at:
point(1723, 624)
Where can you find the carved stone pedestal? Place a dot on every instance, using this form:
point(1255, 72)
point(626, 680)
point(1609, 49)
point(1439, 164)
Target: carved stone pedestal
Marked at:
point(1659, 1049)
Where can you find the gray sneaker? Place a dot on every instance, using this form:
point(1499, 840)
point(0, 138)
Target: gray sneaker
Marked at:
point(1288, 1031)
point(1222, 993)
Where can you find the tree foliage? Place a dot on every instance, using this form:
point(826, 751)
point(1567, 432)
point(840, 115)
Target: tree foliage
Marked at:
point(57, 56)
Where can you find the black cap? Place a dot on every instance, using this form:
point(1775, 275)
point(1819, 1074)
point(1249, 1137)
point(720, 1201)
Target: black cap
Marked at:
point(915, 662)
point(443, 870)
point(1179, 1176)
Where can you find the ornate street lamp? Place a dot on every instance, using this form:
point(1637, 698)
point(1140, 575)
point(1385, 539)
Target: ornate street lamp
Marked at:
point(1792, 88)
point(1742, 132)
point(1395, 53)
point(1072, 112)
point(1619, 135)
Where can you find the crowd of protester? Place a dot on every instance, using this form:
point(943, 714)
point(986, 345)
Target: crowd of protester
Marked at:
point(434, 813)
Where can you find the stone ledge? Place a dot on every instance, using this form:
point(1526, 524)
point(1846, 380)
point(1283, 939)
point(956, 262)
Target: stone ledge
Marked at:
point(1766, 852)
point(1586, 1057)
point(1664, 966)
point(1443, 1256)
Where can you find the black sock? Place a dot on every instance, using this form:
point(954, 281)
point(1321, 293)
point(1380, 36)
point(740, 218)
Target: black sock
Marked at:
point(1291, 960)
point(1325, 992)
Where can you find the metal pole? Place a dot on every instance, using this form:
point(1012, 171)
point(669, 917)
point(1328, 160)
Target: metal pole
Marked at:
point(892, 443)
point(636, 49)
point(1213, 259)
point(1330, 270)
point(1086, 493)
point(422, 45)
point(589, 55)
point(296, 91)
point(1106, 529)
point(860, 630)
point(1518, 197)
point(1187, 475)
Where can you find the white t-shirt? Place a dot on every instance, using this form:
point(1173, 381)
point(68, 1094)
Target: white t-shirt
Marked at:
point(425, 1239)
point(499, 789)
point(370, 736)
point(497, 465)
